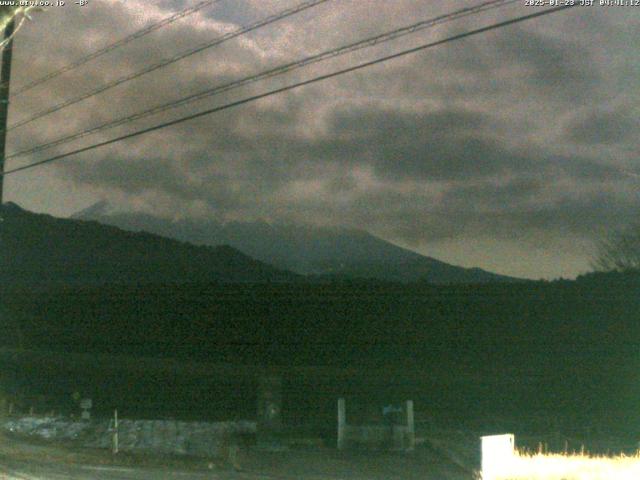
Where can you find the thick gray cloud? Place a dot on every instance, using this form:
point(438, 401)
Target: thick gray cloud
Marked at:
point(548, 67)
point(605, 127)
point(520, 137)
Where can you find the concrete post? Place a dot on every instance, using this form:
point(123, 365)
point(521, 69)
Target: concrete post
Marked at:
point(411, 431)
point(342, 423)
point(86, 404)
point(269, 434)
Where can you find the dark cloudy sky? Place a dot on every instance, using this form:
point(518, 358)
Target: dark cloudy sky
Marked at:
point(512, 151)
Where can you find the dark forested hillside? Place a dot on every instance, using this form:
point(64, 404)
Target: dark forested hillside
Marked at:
point(335, 323)
point(43, 250)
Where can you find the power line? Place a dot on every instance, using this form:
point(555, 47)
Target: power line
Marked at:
point(279, 70)
point(168, 61)
point(317, 79)
point(123, 41)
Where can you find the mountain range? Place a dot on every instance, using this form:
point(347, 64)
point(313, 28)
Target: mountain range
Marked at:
point(303, 249)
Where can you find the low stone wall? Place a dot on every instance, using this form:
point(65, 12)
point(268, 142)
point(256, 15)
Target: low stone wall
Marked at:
point(163, 436)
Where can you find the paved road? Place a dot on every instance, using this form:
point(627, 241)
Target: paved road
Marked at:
point(21, 460)
point(41, 470)
point(11, 470)
point(31, 470)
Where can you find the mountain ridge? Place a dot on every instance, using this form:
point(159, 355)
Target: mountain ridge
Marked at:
point(303, 249)
point(42, 249)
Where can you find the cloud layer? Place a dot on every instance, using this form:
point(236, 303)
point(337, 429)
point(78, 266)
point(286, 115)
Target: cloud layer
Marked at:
point(520, 142)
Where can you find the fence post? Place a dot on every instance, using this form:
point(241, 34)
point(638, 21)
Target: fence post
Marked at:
point(411, 431)
point(497, 455)
point(115, 431)
point(342, 422)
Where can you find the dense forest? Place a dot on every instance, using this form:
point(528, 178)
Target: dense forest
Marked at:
point(564, 350)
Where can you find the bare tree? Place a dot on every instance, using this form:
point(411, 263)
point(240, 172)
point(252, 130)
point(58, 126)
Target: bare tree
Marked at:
point(620, 251)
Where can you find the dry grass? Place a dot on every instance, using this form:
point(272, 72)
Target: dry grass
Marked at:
point(523, 466)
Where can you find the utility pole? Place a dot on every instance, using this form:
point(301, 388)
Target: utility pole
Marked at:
point(5, 76)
